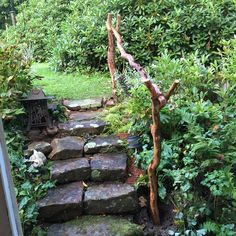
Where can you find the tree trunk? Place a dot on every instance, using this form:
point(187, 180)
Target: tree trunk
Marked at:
point(111, 55)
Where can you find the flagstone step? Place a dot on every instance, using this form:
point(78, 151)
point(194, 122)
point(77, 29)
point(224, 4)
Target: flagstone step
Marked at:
point(66, 148)
point(80, 128)
point(96, 226)
point(71, 170)
point(110, 199)
point(62, 203)
point(103, 144)
point(86, 104)
point(110, 166)
point(85, 115)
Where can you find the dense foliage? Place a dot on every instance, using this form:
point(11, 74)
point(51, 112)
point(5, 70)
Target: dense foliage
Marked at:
point(198, 140)
point(36, 22)
point(30, 183)
point(6, 6)
point(190, 40)
point(73, 33)
point(15, 80)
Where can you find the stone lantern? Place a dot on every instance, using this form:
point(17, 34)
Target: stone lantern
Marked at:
point(37, 109)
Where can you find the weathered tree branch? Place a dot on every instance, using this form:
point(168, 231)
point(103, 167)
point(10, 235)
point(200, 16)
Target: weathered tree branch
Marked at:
point(158, 101)
point(111, 54)
point(172, 89)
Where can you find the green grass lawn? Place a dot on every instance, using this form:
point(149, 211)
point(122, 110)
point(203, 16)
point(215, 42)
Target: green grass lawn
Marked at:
point(71, 86)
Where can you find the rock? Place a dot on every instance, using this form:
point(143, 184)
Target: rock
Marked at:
point(110, 199)
point(52, 131)
point(38, 159)
point(80, 128)
point(110, 167)
point(96, 226)
point(66, 148)
point(77, 105)
point(43, 147)
point(85, 115)
point(62, 203)
point(71, 170)
point(110, 103)
point(103, 144)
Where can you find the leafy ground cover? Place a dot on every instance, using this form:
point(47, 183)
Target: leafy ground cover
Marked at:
point(71, 86)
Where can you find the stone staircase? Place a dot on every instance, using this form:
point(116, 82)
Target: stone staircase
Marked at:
point(90, 170)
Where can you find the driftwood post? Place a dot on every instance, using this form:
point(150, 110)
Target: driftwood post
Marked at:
point(158, 102)
point(111, 55)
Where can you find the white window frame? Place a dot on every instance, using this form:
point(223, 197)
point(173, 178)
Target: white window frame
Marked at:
point(8, 187)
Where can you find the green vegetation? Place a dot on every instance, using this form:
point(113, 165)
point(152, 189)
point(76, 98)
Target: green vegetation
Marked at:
point(197, 167)
point(31, 185)
point(189, 40)
point(73, 85)
point(72, 34)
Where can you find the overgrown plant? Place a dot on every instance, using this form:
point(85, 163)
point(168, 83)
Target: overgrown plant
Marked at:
point(196, 172)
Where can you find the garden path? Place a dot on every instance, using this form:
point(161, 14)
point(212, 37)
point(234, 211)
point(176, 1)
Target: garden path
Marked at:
point(91, 196)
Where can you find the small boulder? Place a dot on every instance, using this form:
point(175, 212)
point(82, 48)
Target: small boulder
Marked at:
point(71, 170)
point(66, 148)
point(37, 159)
point(43, 147)
point(110, 199)
point(62, 203)
point(109, 166)
point(78, 105)
point(103, 144)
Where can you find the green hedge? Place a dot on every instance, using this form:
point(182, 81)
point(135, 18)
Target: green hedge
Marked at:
point(73, 34)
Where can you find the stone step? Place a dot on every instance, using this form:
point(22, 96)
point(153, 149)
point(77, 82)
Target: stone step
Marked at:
point(85, 115)
point(96, 226)
point(86, 104)
point(81, 128)
point(108, 167)
point(66, 148)
point(71, 170)
point(103, 144)
point(62, 203)
point(110, 199)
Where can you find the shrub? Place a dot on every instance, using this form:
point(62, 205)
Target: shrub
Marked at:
point(73, 33)
point(148, 27)
point(35, 22)
point(197, 166)
point(15, 81)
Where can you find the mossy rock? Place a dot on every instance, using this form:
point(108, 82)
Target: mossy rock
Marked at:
point(96, 225)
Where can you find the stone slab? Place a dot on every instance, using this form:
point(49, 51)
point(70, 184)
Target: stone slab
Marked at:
point(66, 148)
point(71, 170)
point(42, 146)
point(103, 144)
point(85, 115)
point(96, 226)
point(110, 199)
point(81, 128)
point(108, 167)
point(62, 203)
point(86, 104)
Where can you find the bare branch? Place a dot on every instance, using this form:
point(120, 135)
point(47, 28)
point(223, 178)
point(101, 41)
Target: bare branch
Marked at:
point(111, 54)
point(172, 89)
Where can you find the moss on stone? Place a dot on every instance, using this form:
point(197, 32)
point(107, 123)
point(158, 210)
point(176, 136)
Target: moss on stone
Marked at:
point(114, 226)
point(95, 174)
